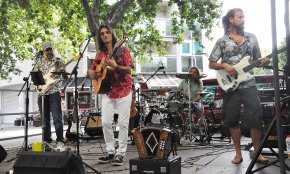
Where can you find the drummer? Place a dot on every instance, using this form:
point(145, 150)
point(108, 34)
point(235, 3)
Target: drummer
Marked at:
point(196, 85)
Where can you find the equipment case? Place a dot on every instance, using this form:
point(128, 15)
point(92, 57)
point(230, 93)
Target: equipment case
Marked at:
point(170, 166)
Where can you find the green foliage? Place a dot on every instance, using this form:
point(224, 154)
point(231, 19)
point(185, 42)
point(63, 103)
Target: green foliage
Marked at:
point(282, 61)
point(196, 15)
point(26, 24)
point(282, 57)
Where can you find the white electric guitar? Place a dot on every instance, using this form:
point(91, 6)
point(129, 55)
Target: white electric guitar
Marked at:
point(50, 78)
point(230, 83)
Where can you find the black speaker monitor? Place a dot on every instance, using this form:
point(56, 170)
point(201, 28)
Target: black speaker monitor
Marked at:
point(3, 153)
point(48, 163)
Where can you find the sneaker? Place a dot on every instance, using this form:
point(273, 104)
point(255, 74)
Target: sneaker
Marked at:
point(117, 160)
point(48, 140)
point(106, 159)
point(60, 146)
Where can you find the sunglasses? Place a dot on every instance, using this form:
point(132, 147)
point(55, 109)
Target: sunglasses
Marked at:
point(48, 49)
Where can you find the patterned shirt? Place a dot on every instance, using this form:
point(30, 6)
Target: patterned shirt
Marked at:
point(231, 53)
point(121, 84)
point(46, 67)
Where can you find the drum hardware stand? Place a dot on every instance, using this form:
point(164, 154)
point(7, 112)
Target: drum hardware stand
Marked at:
point(75, 73)
point(215, 126)
point(281, 157)
point(204, 132)
point(189, 112)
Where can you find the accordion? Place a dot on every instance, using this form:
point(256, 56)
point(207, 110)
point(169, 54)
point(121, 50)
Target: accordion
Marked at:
point(153, 142)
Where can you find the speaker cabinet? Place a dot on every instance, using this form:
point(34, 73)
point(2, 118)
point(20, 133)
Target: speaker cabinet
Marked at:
point(48, 163)
point(93, 125)
point(3, 153)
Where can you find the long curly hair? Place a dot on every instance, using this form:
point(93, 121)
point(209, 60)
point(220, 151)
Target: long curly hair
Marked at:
point(197, 81)
point(101, 45)
point(226, 18)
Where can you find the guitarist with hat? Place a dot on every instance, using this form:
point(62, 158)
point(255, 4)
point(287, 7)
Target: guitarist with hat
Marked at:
point(115, 60)
point(51, 95)
point(231, 49)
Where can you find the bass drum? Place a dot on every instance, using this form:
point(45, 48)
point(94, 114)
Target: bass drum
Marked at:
point(175, 121)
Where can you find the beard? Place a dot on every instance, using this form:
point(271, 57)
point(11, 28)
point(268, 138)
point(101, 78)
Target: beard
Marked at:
point(239, 28)
point(50, 55)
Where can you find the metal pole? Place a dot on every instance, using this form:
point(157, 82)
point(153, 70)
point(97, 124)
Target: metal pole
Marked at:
point(281, 140)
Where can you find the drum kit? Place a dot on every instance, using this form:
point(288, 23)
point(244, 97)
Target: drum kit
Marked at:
point(170, 108)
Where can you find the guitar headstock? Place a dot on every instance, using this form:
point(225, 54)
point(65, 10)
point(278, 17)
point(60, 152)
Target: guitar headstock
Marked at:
point(120, 42)
point(76, 58)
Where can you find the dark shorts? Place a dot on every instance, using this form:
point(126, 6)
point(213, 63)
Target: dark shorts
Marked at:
point(251, 106)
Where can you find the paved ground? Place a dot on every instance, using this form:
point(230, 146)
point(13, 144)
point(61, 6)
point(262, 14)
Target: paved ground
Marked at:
point(214, 158)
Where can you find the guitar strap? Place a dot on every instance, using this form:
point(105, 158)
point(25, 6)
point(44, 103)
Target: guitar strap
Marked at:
point(118, 55)
point(118, 52)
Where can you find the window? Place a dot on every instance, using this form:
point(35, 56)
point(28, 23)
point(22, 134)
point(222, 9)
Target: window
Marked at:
point(190, 61)
point(185, 48)
point(169, 63)
point(168, 28)
point(164, 26)
point(196, 48)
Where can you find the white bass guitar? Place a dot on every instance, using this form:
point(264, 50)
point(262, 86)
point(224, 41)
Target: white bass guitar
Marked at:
point(50, 78)
point(230, 83)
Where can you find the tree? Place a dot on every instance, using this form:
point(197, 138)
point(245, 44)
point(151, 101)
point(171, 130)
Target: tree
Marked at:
point(26, 24)
point(282, 60)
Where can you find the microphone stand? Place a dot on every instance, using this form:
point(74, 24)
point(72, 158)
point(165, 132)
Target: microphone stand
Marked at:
point(26, 79)
point(75, 73)
point(139, 95)
point(159, 68)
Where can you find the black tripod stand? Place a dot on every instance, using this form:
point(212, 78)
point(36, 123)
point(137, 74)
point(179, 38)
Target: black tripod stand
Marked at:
point(281, 157)
point(75, 73)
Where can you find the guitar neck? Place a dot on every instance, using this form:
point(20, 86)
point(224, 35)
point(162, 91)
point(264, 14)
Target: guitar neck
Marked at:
point(71, 60)
point(67, 63)
point(258, 62)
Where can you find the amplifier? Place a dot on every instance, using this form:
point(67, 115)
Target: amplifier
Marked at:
point(172, 165)
point(93, 125)
point(266, 95)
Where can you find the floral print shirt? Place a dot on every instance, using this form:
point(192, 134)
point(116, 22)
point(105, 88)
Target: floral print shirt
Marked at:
point(121, 84)
point(46, 67)
point(231, 53)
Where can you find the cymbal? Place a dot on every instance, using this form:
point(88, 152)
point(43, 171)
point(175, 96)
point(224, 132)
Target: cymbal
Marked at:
point(141, 82)
point(60, 72)
point(143, 85)
point(156, 90)
point(190, 76)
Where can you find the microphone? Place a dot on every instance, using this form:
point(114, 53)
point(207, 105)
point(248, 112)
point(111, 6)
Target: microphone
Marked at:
point(39, 54)
point(161, 67)
point(267, 67)
point(91, 35)
point(57, 60)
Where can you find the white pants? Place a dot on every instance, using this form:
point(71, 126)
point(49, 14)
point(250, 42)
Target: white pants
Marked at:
point(122, 107)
